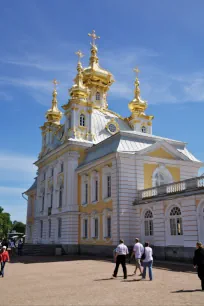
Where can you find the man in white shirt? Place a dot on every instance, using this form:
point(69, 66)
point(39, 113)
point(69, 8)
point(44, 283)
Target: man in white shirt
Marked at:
point(121, 252)
point(138, 250)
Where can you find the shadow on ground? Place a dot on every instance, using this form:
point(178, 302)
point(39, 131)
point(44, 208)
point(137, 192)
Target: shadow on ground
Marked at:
point(164, 265)
point(182, 291)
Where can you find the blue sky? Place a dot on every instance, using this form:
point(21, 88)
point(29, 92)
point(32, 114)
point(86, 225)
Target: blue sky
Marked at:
point(38, 43)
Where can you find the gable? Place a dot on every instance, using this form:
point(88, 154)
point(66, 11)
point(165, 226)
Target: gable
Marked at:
point(161, 153)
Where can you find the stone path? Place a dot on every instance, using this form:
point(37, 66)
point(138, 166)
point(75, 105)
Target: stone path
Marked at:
point(87, 282)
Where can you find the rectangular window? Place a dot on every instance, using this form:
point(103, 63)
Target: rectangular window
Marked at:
point(41, 228)
point(52, 172)
point(96, 190)
point(109, 227)
point(59, 227)
point(44, 176)
point(61, 167)
point(86, 194)
point(96, 228)
point(108, 186)
point(43, 202)
point(60, 196)
point(49, 228)
point(51, 198)
point(173, 227)
point(85, 228)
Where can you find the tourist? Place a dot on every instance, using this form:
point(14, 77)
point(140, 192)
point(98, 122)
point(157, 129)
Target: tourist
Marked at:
point(138, 250)
point(198, 261)
point(4, 257)
point(20, 247)
point(121, 252)
point(147, 261)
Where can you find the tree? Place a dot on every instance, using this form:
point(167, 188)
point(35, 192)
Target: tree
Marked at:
point(5, 223)
point(19, 227)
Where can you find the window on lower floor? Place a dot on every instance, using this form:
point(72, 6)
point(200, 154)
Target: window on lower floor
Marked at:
point(109, 227)
point(96, 228)
point(43, 201)
point(85, 228)
point(41, 228)
point(49, 228)
point(59, 227)
point(86, 193)
point(148, 223)
point(176, 227)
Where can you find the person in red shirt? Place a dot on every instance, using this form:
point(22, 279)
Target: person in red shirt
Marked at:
point(4, 257)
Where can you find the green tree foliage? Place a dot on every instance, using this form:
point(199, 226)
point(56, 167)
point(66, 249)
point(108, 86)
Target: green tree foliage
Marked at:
point(5, 223)
point(19, 227)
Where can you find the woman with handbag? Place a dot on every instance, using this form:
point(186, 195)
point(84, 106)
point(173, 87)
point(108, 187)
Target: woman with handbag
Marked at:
point(4, 257)
point(147, 261)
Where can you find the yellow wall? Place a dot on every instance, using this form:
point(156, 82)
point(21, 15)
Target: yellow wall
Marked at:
point(149, 169)
point(161, 153)
point(90, 207)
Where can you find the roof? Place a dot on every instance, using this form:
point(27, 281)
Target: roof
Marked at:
point(134, 142)
point(33, 187)
point(100, 118)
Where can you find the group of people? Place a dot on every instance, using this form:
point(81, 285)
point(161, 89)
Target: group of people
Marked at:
point(144, 259)
point(7, 248)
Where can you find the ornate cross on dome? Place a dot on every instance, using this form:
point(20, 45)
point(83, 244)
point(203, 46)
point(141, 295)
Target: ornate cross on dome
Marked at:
point(55, 82)
point(94, 37)
point(137, 71)
point(79, 54)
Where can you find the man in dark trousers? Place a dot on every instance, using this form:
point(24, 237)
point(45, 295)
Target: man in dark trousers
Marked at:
point(121, 252)
point(198, 261)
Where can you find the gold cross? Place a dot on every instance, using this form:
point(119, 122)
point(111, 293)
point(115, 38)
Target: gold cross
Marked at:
point(55, 82)
point(94, 37)
point(137, 71)
point(80, 54)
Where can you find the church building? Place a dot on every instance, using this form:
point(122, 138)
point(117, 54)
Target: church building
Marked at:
point(102, 177)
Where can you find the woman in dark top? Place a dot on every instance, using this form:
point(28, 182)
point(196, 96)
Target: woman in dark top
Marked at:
point(198, 261)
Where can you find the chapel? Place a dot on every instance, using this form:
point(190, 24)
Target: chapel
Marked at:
point(102, 177)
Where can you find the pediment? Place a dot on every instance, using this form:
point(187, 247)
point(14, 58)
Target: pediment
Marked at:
point(163, 150)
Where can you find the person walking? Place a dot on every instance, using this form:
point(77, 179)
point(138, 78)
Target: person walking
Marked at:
point(147, 261)
point(4, 257)
point(198, 262)
point(20, 247)
point(138, 250)
point(120, 258)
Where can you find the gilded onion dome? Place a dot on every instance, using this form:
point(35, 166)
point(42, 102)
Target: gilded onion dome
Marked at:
point(54, 115)
point(78, 90)
point(137, 105)
point(94, 75)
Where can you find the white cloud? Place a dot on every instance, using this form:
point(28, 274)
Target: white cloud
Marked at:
point(13, 162)
point(11, 191)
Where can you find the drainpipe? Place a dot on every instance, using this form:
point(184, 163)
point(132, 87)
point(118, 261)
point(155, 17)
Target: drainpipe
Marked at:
point(118, 204)
point(23, 195)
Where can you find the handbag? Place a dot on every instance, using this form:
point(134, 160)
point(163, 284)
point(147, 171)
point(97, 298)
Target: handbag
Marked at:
point(143, 255)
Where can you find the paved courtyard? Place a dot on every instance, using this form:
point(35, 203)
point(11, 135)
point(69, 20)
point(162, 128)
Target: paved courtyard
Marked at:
point(64, 281)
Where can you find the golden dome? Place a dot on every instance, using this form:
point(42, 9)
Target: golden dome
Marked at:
point(54, 115)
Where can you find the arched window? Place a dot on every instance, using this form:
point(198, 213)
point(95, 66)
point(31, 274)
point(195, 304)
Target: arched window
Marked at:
point(161, 176)
point(176, 228)
point(148, 223)
point(144, 129)
point(98, 96)
point(82, 120)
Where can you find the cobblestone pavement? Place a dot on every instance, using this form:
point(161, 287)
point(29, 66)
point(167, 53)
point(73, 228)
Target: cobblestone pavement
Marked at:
point(83, 281)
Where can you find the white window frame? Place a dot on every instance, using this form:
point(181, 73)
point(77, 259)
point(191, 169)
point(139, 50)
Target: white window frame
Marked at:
point(83, 219)
point(148, 223)
point(107, 213)
point(98, 96)
point(164, 172)
point(95, 216)
point(144, 129)
point(59, 228)
point(106, 174)
point(94, 179)
point(173, 239)
point(176, 222)
point(84, 181)
point(49, 228)
point(82, 120)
